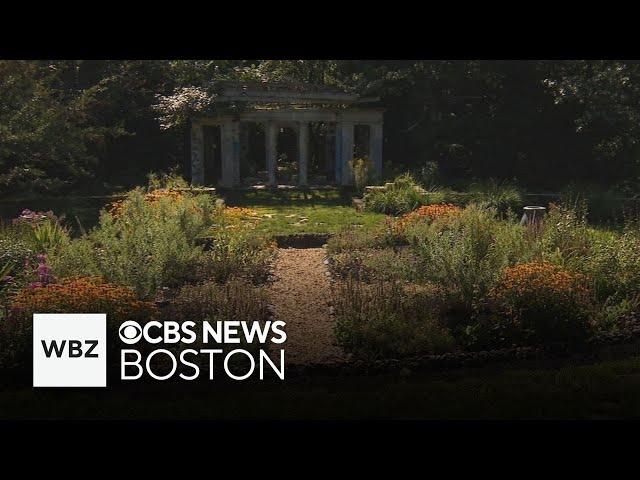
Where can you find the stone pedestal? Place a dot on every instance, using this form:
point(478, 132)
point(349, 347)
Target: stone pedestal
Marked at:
point(533, 215)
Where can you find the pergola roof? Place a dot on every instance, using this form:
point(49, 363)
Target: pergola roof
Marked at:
point(286, 92)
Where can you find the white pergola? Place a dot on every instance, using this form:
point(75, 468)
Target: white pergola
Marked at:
point(295, 110)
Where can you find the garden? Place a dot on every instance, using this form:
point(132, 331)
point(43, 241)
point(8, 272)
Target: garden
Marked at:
point(414, 272)
point(450, 272)
point(160, 252)
point(420, 271)
point(425, 295)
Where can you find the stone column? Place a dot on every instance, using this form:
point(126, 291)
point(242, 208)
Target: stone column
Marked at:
point(235, 158)
point(244, 148)
point(226, 153)
point(375, 150)
point(197, 154)
point(338, 168)
point(271, 140)
point(347, 152)
point(303, 152)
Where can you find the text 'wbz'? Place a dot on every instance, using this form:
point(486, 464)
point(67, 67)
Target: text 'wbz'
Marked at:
point(162, 364)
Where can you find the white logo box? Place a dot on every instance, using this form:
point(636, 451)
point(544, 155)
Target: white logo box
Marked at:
point(75, 359)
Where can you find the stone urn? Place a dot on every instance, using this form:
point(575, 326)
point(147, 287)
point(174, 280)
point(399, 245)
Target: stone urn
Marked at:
point(533, 214)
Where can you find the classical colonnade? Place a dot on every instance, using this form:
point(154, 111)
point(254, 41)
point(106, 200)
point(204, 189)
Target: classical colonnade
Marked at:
point(299, 119)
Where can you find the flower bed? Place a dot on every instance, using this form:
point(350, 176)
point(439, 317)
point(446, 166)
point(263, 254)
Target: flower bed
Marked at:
point(499, 284)
point(143, 253)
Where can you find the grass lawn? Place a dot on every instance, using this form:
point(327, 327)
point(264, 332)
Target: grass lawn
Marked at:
point(286, 212)
point(606, 390)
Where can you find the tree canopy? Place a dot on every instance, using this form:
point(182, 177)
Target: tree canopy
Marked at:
point(74, 125)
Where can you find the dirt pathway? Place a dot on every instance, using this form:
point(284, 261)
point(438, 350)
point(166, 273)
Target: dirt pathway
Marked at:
point(300, 294)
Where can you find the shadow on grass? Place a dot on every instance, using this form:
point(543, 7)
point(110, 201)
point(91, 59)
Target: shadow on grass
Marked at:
point(85, 208)
point(298, 198)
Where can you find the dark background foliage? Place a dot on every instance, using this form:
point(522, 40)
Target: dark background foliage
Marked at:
point(95, 125)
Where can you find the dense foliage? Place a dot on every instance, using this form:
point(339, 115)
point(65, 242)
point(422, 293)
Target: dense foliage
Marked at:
point(77, 295)
point(484, 280)
point(160, 252)
point(86, 124)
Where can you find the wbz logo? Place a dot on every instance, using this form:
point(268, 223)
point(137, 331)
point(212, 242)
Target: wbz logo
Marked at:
point(69, 350)
point(75, 348)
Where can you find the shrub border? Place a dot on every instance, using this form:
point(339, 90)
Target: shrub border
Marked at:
point(602, 345)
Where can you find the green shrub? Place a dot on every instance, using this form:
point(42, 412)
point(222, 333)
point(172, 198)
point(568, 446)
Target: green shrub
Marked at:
point(17, 259)
point(612, 260)
point(614, 313)
point(5, 270)
point(365, 254)
point(360, 169)
point(466, 253)
point(75, 257)
point(6, 289)
point(166, 181)
point(383, 320)
point(15, 231)
point(48, 236)
point(149, 240)
point(44, 231)
point(350, 263)
point(350, 238)
point(499, 194)
point(375, 264)
point(566, 233)
point(627, 276)
point(16, 253)
point(236, 300)
point(236, 252)
point(401, 197)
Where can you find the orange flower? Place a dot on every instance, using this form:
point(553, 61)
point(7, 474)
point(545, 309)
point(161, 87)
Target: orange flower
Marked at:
point(428, 213)
point(540, 282)
point(84, 295)
point(152, 198)
point(432, 212)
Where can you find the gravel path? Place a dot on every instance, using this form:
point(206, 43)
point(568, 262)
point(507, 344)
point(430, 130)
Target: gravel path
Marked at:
point(300, 294)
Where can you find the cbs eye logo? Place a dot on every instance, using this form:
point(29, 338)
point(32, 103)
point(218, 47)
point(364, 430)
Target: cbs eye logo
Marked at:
point(130, 332)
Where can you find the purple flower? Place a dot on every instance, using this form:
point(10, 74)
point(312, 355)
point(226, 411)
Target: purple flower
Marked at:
point(35, 284)
point(43, 271)
point(35, 218)
point(7, 278)
point(42, 257)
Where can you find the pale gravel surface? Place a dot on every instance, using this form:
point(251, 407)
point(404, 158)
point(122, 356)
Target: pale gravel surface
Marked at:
point(301, 293)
